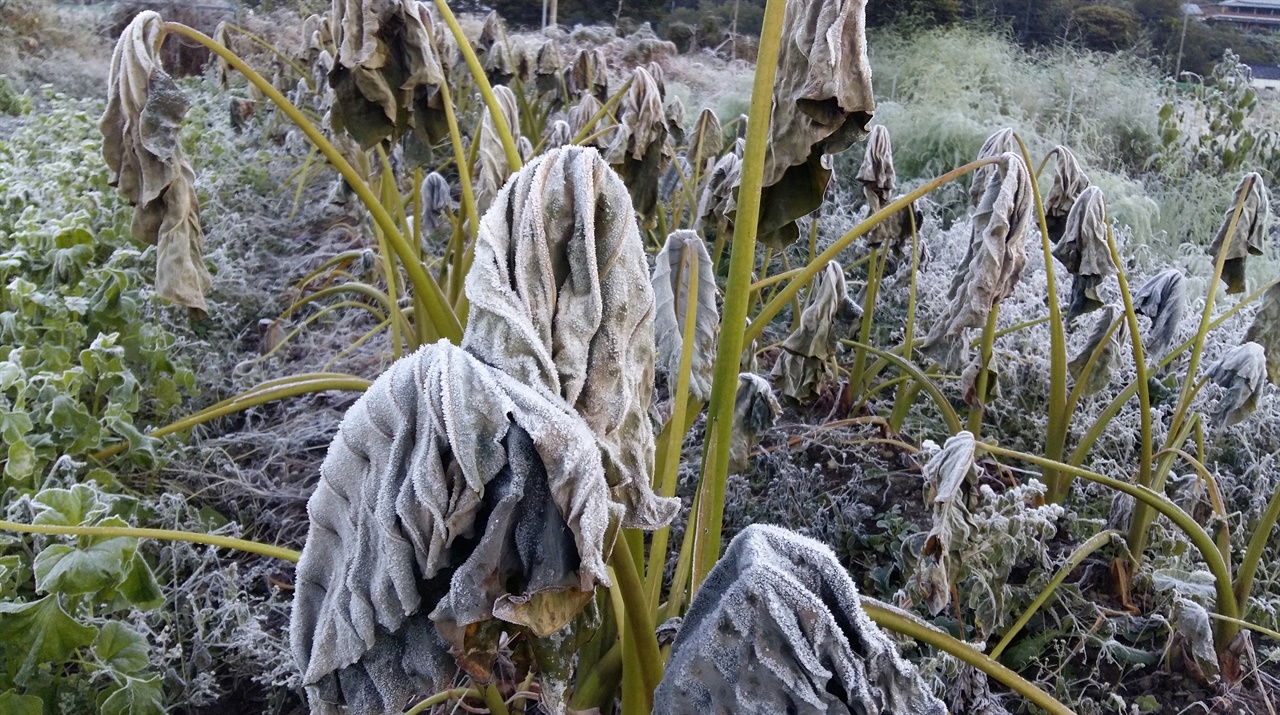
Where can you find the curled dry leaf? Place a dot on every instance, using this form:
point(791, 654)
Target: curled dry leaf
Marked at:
point(488, 481)
point(1191, 623)
point(1105, 339)
point(1250, 228)
point(494, 167)
point(558, 134)
point(580, 116)
point(491, 33)
point(969, 381)
point(560, 248)
point(501, 62)
point(1084, 252)
point(706, 141)
point(802, 362)
point(998, 144)
point(140, 145)
point(683, 253)
point(1163, 299)
point(437, 198)
point(1265, 330)
point(1241, 374)
point(945, 477)
point(675, 120)
point(778, 627)
point(824, 82)
point(1069, 181)
point(991, 267)
point(387, 75)
point(638, 150)
point(588, 74)
point(969, 692)
point(547, 73)
point(877, 177)
point(719, 200)
point(755, 410)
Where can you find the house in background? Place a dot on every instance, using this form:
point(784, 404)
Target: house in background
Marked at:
point(1256, 15)
point(1266, 77)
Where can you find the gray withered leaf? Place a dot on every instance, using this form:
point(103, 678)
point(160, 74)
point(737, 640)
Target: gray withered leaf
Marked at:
point(638, 149)
point(998, 144)
point(561, 299)
point(397, 562)
point(755, 410)
point(524, 148)
point(588, 73)
point(222, 36)
point(387, 75)
point(491, 32)
point(1241, 373)
point(969, 381)
point(1191, 623)
point(719, 200)
point(1265, 330)
point(558, 134)
point(876, 172)
point(824, 81)
point(677, 176)
point(580, 116)
point(1163, 299)
point(501, 62)
point(778, 627)
point(682, 255)
point(1084, 252)
point(969, 692)
point(1106, 338)
point(675, 120)
point(1068, 181)
point(945, 479)
point(802, 363)
point(991, 267)
point(437, 198)
point(494, 167)
point(706, 141)
point(140, 145)
point(1250, 229)
point(548, 69)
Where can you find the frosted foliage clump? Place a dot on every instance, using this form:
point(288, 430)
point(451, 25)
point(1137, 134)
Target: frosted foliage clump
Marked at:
point(1163, 299)
point(1241, 373)
point(682, 254)
point(494, 166)
point(998, 144)
point(778, 627)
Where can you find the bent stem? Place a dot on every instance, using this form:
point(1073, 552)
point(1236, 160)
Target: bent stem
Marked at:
point(226, 542)
point(1253, 555)
point(985, 353)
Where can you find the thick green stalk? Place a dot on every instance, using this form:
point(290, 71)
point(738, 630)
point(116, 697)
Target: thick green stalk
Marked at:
point(639, 623)
point(225, 542)
point(443, 697)
point(875, 272)
point(985, 352)
point(440, 312)
point(585, 133)
point(1139, 362)
point(944, 406)
point(908, 391)
point(1253, 555)
point(724, 386)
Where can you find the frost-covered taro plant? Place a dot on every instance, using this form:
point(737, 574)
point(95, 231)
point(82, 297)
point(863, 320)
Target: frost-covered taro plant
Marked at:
point(1083, 251)
point(1243, 228)
point(802, 368)
point(682, 274)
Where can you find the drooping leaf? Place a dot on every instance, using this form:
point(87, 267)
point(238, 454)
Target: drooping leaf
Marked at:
point(754, 411)
point(1084, 252)
point(1241, 373)
point(706, 141)
point(437, 198)
point(1265, 331)
point(998, 144)
point(580, 116)
point(684, 252)
point(801, 368)
point(1069, 181)
point(39, 632)
point(777, 627)
point(719, 201)
point(1163, 299)
point(494, 167)
point(638, 149)
point(1250, 229)
point(588, 74)
point(140, 127)
point(945, 477)
point(558, 134)
point(970, 692)
point(877, 177)
point(548, 69)
point(1108, 349)
point(1191, 623)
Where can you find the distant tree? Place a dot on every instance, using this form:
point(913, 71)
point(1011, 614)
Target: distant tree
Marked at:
point(1104, 28)
point(918, 13)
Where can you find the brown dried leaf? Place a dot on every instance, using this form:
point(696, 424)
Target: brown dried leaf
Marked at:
point(802, 363)
point(719, 201)
point(1250, 229)
point(876, 173)
point(1068, 181)
point(1265, 330)
point(945, 477)
point(755, 410)
point(580, 116)
point(638, 150)
point(1084, 252)
point(685, 251)
point(140, 145)
point(549, 67)
point(1241, 373)
point(588, 74)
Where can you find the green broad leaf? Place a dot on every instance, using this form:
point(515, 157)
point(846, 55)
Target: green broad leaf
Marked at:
point(139, 588)
point(40, 632)
point(21, 463)
point(13, 425)
point(68, 507)
point(10, 570)
point(11, 703)
point(136, 697)
point(121, 648)
point(70, 570)
point(1020, 654)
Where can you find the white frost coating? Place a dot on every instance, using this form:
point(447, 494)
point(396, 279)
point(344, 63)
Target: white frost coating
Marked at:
point(1265, 331)
point(1250, 229)
point(638, 149)
point(991, 267)
point(754, 411)
point(1068, 181)
point(802, 363)
point(436, 198)
point(778, 627)
point(437, 439)
point(1191, 623)
point(671, 301)
point(878, 179)
point(1241, 373)
point(494, 167)
point(719, 200)
point(945, 477)
point(560, 299)
point(1084, 252)
point(1163, 299)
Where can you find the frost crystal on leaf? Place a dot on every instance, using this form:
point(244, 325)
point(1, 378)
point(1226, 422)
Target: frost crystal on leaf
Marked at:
point(719, 200)
point(1084, 251)
point(824, 82)
point(877, 177)
point(558, 134)
point(1265, 331)
point(945, 477)
point(1241, 373)
point(494, 167)
point(778, 627)
point(754, 411)
point(1105, 340)
point(1191, 623)
point(802, 363)
point(140, 145)
point(580, 116)
point(991, 267)
point(1163, 299)
point(1250, 228)
point(1069, 181)
point(683, 253)
point(588, 74)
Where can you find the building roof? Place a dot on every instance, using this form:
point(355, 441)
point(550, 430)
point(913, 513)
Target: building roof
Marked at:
point(1250, 3)
point(1265, 71)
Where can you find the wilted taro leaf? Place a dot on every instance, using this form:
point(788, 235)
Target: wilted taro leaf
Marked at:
point(1265, 330)
point(778, 627)
point(638, 151)
point(1107, 343)
point(969, 381)
point(1068, 181)
point(558, 134)
point(560, 299)
point(684, 252)
point(222, 36)
point(1250, 229)
point(719, 200)
point(500, 63)
point(1084, 252)
point(945, 477)
point(998, 144)
point(969, 692)
point(1191, 623)
point(676, 176)
point(675, 120)
point(548, 69)
point(588, 74)
point(580, 116)
point(991, 267)
point(824, 85)
point(1241, 374)
point(494, 167)
point(1163, 299)
point(491, 32)
point(802, 362)
point(877, 177)
point(436, 198)
point(387, 76)
point(706, 141)
point(754, 411)
point(140, 145)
